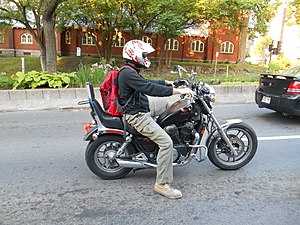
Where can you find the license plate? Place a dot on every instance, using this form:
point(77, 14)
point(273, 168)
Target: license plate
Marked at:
point(266, 99)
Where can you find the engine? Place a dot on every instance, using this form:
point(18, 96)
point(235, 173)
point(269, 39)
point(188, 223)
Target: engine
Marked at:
point(180, 136)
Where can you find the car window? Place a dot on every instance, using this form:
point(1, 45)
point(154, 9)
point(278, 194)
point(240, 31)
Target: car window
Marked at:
point(294, 70)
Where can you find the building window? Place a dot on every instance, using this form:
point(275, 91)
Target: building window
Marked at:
point(1, 38)
point(197, 46)
point(88, 39)
point(26, 39)
point(172, 44)
point(68, 37)
point(227, 47)
point(120, 42)
point(147, 40)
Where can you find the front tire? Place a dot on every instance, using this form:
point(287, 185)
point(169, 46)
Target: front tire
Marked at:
point(99, 157)
point(244, 140)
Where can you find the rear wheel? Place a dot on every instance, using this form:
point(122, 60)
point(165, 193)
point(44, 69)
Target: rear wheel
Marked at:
point(244, 141)
point(100, 157)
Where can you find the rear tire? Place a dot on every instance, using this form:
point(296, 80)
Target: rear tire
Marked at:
point(99, 157)
point(244, 140)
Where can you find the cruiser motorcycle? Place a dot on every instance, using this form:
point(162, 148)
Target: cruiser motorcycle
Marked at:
point(114, 149)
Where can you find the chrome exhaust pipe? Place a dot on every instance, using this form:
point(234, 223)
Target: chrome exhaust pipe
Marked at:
point(128, 163)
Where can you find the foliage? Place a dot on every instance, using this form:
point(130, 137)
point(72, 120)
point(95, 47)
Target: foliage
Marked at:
point(37, 16)
point(282, 62)
point(273, 68)
point(141, 15)
point(5, 81)
point(294, 12)
point(34, 79)
point(262, 45)
point(234, 16)
point(237, 73)
point(172, 22)
point(95, 73)
point(85, 74)
point(95, 15)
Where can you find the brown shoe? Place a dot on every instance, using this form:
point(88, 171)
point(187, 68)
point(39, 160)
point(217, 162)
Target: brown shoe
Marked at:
point(167, 191)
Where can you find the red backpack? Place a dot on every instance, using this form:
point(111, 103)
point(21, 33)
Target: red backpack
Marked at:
point(110, 93)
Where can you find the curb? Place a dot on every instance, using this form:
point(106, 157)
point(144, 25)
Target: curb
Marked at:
point(45, 99)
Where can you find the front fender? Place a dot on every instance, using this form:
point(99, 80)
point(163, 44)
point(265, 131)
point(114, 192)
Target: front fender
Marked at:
point(228, 123)
point(224, 126)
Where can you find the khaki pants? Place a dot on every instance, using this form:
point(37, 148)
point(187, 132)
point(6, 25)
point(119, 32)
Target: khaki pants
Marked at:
point(145, 125)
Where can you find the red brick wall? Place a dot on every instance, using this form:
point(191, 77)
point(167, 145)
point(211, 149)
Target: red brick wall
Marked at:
point(17, 32)
point(5, 33)
point(184, 51)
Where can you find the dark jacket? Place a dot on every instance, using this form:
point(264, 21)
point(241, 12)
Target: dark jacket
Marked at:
point(130, 82)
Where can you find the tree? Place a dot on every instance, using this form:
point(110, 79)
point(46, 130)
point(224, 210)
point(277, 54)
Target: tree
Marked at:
point(32, 14)
point(103, 20)
point(261, 46)
point(48, 20)
point(141, 15)
point(294, 12)
point(260, 13)
point(171, 23)
point(236, 15)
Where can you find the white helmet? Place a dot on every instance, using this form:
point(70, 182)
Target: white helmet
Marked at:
point(136, 51)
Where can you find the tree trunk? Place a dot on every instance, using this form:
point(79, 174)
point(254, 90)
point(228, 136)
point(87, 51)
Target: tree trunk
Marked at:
point(51, 63)
point(49, 31)
point(43, 59)
point(161, 56)
point(98, 49)
point(170, 59)
point(38, 37)
point(243, 39)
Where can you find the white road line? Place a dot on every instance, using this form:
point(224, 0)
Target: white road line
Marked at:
point(279, 138)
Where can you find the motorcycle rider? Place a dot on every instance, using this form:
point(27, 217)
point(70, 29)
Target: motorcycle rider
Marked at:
point(137, 111)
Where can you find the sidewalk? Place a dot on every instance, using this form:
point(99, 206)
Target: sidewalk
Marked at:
point(47, 99)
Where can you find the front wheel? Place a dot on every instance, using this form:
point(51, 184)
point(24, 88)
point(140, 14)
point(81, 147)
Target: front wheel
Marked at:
point(100, 157)
point(244, 140)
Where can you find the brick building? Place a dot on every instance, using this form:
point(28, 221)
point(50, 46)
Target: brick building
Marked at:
point(193, 46)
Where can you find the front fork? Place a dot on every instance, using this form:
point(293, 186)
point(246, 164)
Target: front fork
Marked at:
point(222, 128)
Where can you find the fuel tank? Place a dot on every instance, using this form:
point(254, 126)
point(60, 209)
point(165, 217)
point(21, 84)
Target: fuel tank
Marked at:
point(177, 113)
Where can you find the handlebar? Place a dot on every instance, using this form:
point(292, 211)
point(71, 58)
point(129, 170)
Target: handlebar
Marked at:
point(182, 82)
point(202, 90)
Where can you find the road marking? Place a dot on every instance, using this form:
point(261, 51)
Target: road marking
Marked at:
point(278, 138)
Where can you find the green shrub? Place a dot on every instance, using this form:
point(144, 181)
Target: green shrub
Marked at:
point(282, 62)
point(5, 81)
point(34, 79)
point(88, 74)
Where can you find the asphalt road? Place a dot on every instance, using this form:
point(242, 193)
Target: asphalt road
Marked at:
point(44, 178)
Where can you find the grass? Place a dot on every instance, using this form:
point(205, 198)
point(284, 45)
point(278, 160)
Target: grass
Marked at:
point(237, 74)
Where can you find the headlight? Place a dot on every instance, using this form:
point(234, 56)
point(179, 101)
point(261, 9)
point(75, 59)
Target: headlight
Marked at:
point(212, 92)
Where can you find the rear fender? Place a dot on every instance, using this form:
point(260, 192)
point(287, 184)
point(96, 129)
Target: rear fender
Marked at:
point(89, 135)
point(94, 133)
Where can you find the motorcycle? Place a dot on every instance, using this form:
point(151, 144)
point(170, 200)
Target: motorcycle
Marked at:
point(113, 151)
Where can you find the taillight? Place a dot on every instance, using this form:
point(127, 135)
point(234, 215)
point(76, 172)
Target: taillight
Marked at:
point(294, 88)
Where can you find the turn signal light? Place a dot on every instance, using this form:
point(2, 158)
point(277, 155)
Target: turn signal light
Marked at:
point(87, 127)
point(294, 88)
